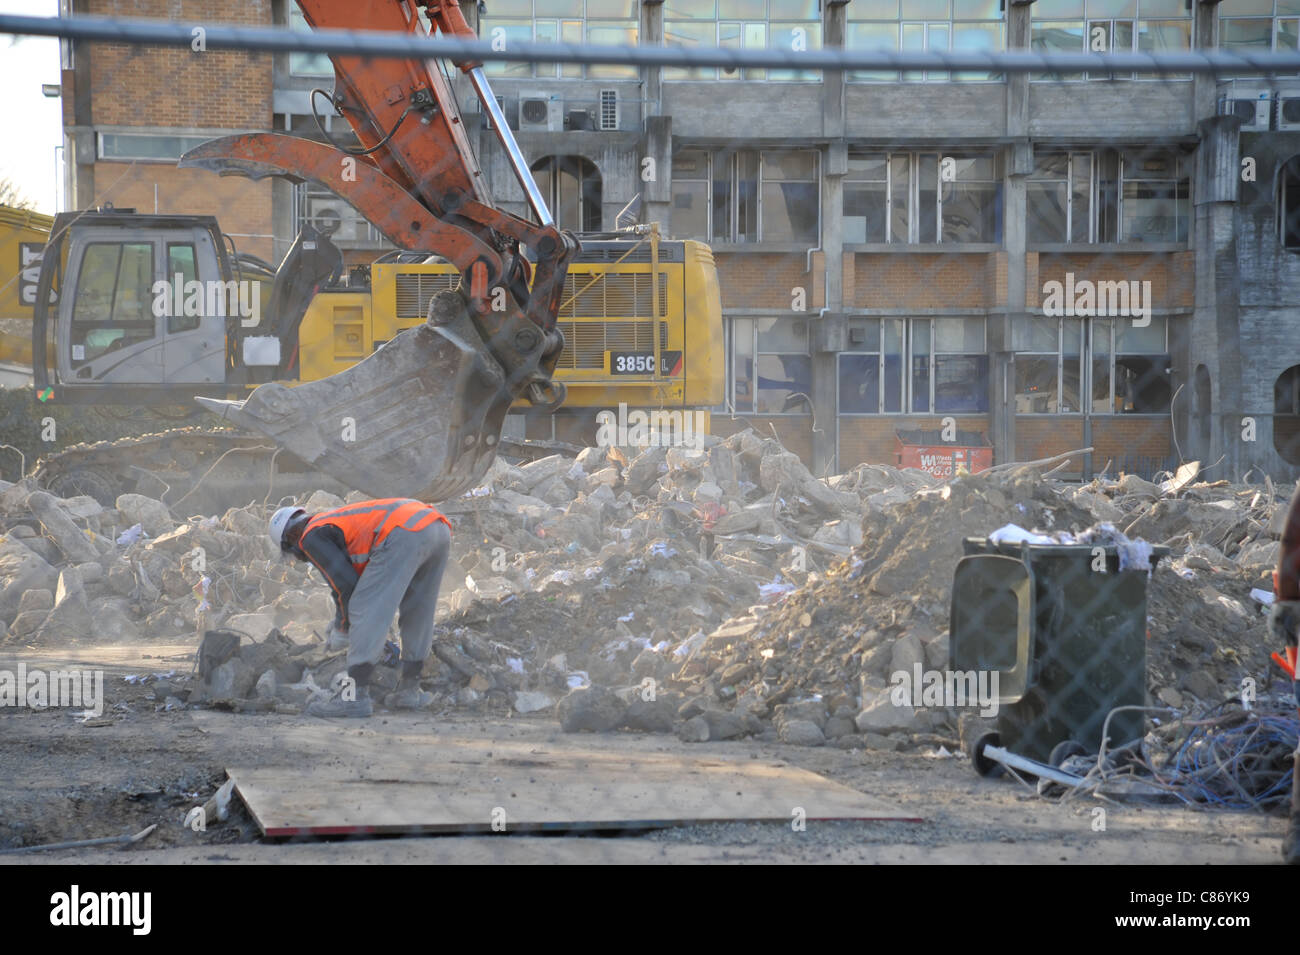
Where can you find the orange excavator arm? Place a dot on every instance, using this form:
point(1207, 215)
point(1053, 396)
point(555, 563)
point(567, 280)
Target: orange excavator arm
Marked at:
point(416, 178)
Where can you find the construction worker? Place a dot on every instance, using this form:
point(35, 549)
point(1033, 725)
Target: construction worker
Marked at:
point(381, 558)
point(1285, 622)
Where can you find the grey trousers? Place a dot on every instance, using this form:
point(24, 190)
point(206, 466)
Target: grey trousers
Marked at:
point(402, 577)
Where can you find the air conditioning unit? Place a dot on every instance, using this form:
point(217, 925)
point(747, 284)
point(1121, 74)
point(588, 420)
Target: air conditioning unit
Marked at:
point(1253, 107)
point(539, 112)
point(326, 212)
point(1288, 112)
point(608, 109)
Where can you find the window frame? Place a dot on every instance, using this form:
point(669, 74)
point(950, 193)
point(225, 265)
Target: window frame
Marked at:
point(754, 354)
point(1087, 356)
point(733, 178)
point(907, 365)
point(915, 187)
point(951, 26)
point(1137, 22)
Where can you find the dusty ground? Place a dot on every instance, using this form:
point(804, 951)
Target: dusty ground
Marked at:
point(60, 780)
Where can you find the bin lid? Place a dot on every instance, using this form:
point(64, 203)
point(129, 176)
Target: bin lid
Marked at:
point(981, 545)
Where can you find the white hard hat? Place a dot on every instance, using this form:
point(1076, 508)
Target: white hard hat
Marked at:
point(280, 520)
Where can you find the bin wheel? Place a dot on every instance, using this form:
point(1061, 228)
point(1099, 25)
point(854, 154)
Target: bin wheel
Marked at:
point(983, 765)
point(1064, 750)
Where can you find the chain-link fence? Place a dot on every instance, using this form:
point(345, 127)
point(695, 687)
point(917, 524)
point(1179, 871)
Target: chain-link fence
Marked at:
point(942, 301)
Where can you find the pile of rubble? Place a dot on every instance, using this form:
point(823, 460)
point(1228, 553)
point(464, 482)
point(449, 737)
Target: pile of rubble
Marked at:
point(714, 592)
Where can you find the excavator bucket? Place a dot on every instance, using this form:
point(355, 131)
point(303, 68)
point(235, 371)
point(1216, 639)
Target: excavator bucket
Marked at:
point(420, 418)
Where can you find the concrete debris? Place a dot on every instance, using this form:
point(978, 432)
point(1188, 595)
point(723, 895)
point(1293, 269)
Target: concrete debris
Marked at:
point(718, 592)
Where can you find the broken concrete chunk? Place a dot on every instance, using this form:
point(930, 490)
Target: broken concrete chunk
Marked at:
point(148, 512)
point(649, 716)
point(694, 730)
point(531, 701)
point(801, 733)
point(593, 709)
point(36, 600)
point(67, 536)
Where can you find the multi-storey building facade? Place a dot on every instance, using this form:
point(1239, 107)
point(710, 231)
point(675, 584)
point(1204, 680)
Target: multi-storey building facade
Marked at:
point(1052, 261)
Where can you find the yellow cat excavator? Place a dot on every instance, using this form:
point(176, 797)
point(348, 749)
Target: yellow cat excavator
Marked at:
point(425, 352)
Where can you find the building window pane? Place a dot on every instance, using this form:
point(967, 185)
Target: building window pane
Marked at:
point(872, 36)
point(1045, 211)
point(920, 365)
point(790, 199)
point(961, 383)
point(900, 198)
point(1101, 352)
point(612, 33)
point(690, 10)
point(1031, 333)
point(783, 335)
point(972, 209)
point(859, 384)
point(691, 209)
point(1071, 365)
point(742, 343)
point(1141, 385)
point(892, 346)
point(1036, 384)
point(784, 383)
point(689, 34)
point(927, 195)
point(512, 31)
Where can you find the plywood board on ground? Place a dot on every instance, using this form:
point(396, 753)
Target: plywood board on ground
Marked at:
point(450, 785)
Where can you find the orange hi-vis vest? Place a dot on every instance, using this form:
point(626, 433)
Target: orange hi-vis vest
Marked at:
point(366, 524)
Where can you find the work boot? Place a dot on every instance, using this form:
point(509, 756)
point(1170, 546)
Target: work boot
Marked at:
point(408, 695)
point(338, 708)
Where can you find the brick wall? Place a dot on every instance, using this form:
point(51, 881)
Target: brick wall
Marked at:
point(172, 86)
point(872, 440)
point(1171, 275)
point(765, 279)
point(1130, 436)
point(1113, 438)
point(1041, 436)
point(242, 207)
point(924, 281)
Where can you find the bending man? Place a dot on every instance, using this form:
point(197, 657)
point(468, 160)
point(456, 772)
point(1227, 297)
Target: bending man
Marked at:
point(381, 558)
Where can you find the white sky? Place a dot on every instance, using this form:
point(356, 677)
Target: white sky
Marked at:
point(33, 123)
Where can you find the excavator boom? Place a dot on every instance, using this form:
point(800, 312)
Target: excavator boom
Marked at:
point(422, 416)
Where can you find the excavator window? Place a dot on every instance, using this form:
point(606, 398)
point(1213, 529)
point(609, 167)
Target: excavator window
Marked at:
point(114, 302)
point(181, 269)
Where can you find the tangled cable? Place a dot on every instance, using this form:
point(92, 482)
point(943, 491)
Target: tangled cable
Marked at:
point(1237, 761)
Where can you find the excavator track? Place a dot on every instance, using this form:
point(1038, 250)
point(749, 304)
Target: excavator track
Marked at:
point(198, 470)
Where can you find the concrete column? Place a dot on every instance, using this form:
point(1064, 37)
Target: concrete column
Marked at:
point(1215, 336)
point(827, 338)
point(1205, 36)
point(652, 34)
point(1019, 158)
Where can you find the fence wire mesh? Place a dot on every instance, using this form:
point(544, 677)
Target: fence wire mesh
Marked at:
point(980, 267)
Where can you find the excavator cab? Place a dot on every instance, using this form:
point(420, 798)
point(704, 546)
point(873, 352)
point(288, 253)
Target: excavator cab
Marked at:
point(130, 307)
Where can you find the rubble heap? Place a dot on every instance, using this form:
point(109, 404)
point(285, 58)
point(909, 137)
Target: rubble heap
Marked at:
point(716, 592)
